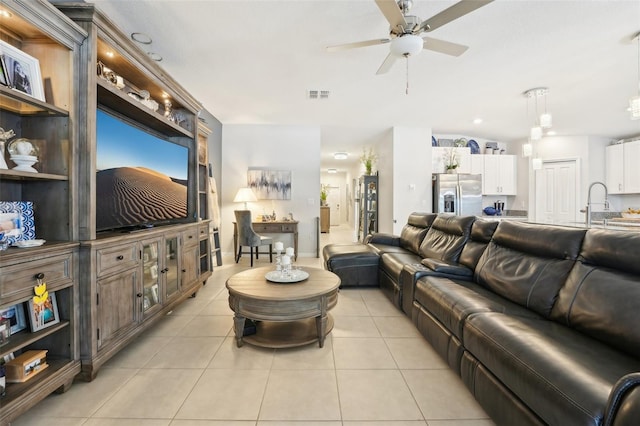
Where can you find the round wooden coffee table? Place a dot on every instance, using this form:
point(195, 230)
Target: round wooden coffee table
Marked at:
point(287, 314)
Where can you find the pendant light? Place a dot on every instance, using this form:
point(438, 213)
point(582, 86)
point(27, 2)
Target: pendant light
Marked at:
point(634, 102)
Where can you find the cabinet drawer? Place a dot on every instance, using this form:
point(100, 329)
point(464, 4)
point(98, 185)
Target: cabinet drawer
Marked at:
point(17, 281)
point(190, 236)
point(288, 228)
point(115, 259)
point(269, 228)
point(203, 231)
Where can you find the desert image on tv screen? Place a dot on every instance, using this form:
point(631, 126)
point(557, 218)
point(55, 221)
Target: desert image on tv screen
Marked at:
point(141, 179)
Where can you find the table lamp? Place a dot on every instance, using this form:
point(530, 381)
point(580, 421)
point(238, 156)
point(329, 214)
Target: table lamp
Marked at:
point(245, 195)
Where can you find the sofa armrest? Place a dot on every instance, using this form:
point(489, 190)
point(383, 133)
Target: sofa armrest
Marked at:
point(623, 406)
point(382, 238)
point(449, 268)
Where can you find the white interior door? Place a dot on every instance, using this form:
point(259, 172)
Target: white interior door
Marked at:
point(333, 199)
point(556, 192)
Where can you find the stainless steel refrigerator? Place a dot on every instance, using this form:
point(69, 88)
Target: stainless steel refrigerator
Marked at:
point(460, 194)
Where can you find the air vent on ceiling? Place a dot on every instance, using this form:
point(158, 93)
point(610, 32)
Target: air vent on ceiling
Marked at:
point(318, 94)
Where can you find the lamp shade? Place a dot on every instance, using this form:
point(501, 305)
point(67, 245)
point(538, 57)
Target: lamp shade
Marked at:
point(536, 133)
point(546, 120)
point(406, 45)
point(245, 195)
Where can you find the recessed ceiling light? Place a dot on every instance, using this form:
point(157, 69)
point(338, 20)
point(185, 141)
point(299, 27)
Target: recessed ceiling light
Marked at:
point(5, 13)
point(332, 170)
point(340, 155)
point(551, 133)
point(155, 56)
point(141, 38)
point(110, 54)
point(477, 120)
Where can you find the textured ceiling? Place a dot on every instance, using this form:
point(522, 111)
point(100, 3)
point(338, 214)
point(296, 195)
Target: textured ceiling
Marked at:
point(254, 61)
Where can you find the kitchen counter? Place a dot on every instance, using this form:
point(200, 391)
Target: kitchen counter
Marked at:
point(617, 225)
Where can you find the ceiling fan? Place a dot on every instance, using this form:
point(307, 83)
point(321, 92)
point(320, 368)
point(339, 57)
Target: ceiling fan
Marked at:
point(405, 30)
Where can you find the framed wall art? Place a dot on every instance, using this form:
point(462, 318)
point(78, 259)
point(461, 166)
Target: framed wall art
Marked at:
point(45, 314)
point(270, 184)
point(15, 315)
point(23, 71)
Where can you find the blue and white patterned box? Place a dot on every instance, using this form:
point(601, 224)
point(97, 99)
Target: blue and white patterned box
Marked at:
point(16, 220)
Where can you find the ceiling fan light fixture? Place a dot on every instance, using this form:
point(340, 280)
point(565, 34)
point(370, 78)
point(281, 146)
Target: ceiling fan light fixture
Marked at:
point(406, 45)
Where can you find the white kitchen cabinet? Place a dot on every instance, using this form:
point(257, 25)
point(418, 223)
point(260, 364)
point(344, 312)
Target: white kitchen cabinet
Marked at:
point(499, 177)
point(477, 164)
point(623, 173)
point(615, 166)
point(631, 168)
point(439, 154)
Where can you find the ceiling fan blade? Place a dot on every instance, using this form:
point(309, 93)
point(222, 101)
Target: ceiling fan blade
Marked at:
point(357, 44)
point(454, 12)
point(387, 64)
point(392, 12)
point(446, 47)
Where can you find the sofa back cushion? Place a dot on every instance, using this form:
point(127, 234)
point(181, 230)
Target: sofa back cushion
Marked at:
point(528, 264)
point(446, 237)
point(481, 233)
point(602, 295)
point(414, 231)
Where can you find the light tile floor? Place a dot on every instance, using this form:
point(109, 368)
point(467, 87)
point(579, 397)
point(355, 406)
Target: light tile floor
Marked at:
point(375, 369)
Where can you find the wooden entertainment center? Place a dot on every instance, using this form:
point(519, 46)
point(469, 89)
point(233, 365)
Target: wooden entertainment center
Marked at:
point(110, 286)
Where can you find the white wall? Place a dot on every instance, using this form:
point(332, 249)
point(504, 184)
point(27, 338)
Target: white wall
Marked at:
point(386, 175)
point(412, 174)
point(295, 148)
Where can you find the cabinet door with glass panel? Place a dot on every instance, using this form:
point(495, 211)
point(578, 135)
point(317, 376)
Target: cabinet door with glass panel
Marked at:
point(170, 266)
point(151, 272)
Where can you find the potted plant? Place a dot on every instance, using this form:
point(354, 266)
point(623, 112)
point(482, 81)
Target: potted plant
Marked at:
point(324, 191)
point(367, 159)
point(451, 161)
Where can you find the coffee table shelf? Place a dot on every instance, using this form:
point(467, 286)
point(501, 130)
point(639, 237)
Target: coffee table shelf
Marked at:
point(287, 315)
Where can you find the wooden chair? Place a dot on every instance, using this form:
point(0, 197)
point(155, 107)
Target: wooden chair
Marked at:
point(248, 237)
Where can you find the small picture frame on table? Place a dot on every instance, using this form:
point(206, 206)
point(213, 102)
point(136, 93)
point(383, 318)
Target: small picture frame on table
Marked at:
point(23, 71)
point(15, 315)
point(45, 314)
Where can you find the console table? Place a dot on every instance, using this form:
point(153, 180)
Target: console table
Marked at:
point(273, 227)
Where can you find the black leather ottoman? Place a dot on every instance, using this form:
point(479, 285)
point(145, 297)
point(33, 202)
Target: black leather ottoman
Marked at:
point(355, 264)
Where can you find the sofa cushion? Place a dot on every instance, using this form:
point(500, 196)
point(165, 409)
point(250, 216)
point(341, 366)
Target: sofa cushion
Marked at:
point(528, 264)
point(564, 376)
point(392, 263)
point(446, 237)
point(447, 268)
point(415, 230)
point(481, 233)
point(452, 301)
point(602, 295)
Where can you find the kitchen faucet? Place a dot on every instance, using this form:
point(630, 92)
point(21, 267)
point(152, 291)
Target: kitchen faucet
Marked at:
point(587, 210)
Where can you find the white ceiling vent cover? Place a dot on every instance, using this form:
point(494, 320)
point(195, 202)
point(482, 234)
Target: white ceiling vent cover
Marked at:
point(318, 94)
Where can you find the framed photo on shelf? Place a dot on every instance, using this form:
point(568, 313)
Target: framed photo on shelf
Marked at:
point(15, 315)
point(44, 315)
point(23, 71)
point(5, 331)
point(4, 76)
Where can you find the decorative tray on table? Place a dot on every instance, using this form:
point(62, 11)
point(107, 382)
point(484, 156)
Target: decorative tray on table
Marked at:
point(277, 277)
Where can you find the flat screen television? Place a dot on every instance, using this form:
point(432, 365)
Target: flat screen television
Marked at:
point(141, 178)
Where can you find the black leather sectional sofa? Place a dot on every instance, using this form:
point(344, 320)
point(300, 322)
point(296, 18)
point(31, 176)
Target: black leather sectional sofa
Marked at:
point(541, 322)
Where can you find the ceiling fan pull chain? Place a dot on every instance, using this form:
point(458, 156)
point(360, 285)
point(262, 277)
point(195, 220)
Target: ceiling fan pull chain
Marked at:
point(407, 62)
